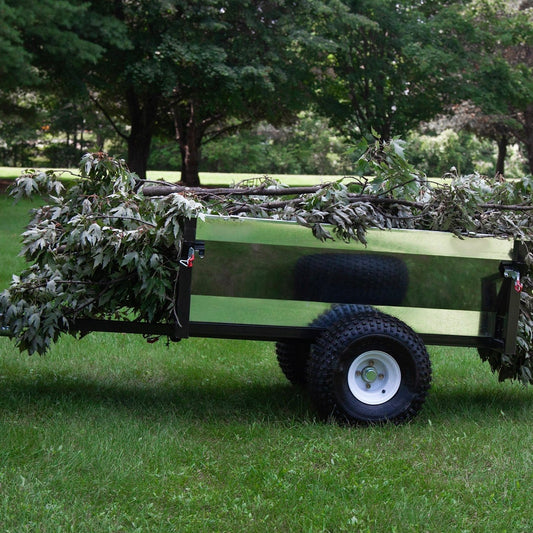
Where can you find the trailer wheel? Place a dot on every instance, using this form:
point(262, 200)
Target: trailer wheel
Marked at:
point(292, 359)
point(293, 356)
point(372, 370)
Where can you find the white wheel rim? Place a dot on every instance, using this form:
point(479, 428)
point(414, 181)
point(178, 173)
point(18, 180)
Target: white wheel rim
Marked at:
point(374, 377)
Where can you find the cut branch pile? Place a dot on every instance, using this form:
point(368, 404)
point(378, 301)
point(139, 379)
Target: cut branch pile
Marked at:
point(109, 247)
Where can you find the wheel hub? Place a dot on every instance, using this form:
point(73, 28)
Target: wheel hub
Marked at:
point(374, 377)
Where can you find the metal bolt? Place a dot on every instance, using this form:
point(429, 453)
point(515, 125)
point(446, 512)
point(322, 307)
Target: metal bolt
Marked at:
point(369, 374)
point(368, 385)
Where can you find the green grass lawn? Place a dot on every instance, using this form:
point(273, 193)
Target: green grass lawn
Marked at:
point(206, 178)
point(109, 433)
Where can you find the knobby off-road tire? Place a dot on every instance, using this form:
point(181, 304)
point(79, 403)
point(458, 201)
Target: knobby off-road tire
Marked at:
point(372, 370)
point(293, 356)
point(292, 359)
point(354, 280)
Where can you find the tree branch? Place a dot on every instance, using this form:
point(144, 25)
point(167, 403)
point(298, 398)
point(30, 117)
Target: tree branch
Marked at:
point(165, 189)
point(168, 188)
point(108, 117)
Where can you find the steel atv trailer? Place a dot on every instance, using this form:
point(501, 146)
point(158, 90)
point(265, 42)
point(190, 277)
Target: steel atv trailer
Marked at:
point(351, 321)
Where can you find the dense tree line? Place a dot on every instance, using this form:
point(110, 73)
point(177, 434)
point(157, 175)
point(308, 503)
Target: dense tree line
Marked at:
point(154, 73)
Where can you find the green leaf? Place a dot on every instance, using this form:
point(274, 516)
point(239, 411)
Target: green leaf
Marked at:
point(130, 257)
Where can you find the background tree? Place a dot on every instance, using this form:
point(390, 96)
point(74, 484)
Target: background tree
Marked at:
point(126, 85)
point(72, 127)
point(46, 48)
point(471, 118)
point(306, 146)
point(201, 69)
point(500, 80)
point(390, 66)
point(195, 71)
point(249, 67)
point(20, 123)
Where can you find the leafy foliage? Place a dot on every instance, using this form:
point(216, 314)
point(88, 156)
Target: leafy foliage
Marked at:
point(106, 249)
point(99, 251)
point(382, 65)
point(44, 37)
point(306, 146)
point(193, 71)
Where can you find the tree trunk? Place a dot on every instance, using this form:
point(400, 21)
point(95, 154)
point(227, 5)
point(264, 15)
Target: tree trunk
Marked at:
point(190, 169)
point(100, 140)
point(138, 152)
point(528, 136)
point(189, 137)
point(143, 115)
point(502, 154)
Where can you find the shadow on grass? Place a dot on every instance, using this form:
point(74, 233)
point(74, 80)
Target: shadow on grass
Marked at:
point(246, 400)
point(512, 401)
point(243, 402)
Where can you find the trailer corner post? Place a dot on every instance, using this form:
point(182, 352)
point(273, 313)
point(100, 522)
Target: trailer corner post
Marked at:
point(511, 289)
point(183, 303)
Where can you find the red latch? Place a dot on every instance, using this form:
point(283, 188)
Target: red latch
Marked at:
point(518, 285)
point(190, 259)
point(514, 274)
